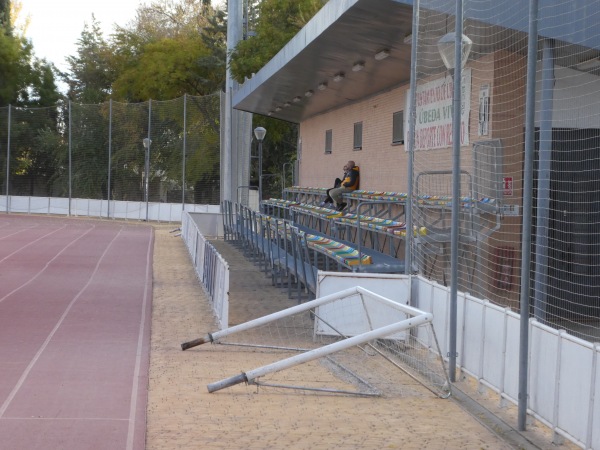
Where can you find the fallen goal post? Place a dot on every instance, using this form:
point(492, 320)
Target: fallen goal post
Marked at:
point(359, 336)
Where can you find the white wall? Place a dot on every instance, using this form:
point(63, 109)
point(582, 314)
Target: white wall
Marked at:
point(163, 212)
point(576, 99)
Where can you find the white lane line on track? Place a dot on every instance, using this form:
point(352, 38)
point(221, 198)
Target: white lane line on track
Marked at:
point(31, 243)
point(19, 231)
point(140, 344)
point(7, 223)
point(32, 363)
point(47, 264)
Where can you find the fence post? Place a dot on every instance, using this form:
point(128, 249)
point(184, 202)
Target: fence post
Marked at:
point(412, 120)
point(147, 165)
point(109, 156)
point(70, 160)
point(8, 162)
point(184, 152)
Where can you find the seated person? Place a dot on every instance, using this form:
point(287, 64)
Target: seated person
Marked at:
point(328, 202)
point(350, 183)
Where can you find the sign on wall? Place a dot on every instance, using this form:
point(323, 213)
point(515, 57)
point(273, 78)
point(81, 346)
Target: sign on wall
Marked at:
point(483, 127)
point(507, 186)
point(433, 128)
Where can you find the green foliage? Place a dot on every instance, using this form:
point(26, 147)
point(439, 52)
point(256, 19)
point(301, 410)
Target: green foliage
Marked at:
point(278, 21)
point(5, 21)
point(11, 67)
point(91, 73)
point(172, 49)
point(279, 149)
point(167, 69)
point(42, 87)
point(26, 81)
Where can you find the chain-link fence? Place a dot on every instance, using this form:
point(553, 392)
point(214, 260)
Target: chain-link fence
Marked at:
point(156, 151)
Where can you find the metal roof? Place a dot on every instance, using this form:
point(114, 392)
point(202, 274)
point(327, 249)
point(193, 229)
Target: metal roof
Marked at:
point(346, 32)
point(341, 34)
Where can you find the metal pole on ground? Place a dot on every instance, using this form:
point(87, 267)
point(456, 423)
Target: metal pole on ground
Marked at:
point(454, 49)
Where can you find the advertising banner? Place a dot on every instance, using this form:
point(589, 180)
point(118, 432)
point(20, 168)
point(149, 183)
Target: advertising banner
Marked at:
point(434, 112)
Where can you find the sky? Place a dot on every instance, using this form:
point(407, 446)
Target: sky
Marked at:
point(56, 26)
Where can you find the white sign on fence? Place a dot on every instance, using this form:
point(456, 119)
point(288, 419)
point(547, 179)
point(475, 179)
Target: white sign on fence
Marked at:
point(433, 127)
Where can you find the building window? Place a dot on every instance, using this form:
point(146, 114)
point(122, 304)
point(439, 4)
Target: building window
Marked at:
point(328, 141)
point(358, 136)
point(398, 128)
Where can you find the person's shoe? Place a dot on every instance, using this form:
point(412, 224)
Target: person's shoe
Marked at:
point(341, 206)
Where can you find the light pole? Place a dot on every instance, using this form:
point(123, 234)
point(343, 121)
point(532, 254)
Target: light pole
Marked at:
point(147, 142)
point(455, 47)
point(260, 133)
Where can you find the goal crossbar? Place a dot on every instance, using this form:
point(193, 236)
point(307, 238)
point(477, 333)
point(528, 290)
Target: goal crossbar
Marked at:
point(356, 290)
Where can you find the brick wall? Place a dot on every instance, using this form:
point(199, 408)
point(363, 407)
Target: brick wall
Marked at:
point(383, 165)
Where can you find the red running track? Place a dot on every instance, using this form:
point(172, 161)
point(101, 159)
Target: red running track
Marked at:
point(75, 311)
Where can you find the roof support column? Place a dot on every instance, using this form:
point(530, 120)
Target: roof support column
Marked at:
point(234, 34)
point(543, 196)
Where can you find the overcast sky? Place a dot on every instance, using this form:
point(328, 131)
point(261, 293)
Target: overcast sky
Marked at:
point(56, 26)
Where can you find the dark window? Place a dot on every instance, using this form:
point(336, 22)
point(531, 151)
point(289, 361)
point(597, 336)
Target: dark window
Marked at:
point(328, 141)
point(398, 128)
point(358, 136)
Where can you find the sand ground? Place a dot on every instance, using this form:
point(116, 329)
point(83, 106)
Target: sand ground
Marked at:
point(182, 414)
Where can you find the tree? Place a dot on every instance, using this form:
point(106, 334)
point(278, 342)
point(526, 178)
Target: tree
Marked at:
point(26, 82)
point(5, 21)
point(278, 21)
point(91, 74)
point(166, 69)
point(11, 67)
point(169, 50)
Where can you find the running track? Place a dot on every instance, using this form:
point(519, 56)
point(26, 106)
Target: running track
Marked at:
point(75, 306)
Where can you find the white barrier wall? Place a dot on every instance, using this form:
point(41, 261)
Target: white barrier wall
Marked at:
point(212, 270)
point(564, 377)
point(162, 212)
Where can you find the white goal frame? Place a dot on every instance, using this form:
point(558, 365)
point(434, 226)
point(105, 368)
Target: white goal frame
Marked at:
point(354, 334)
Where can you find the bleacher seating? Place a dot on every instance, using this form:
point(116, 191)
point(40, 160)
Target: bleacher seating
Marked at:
point(284, 248)
point(367, 236)
point(342, 253)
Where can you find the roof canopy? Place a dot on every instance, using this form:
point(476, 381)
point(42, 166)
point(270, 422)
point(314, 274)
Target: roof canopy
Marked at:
point(341, 35)
point(357, 48)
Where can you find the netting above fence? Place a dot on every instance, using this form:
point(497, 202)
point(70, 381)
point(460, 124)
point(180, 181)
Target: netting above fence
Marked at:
point(101, 152)
point(565, 240)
